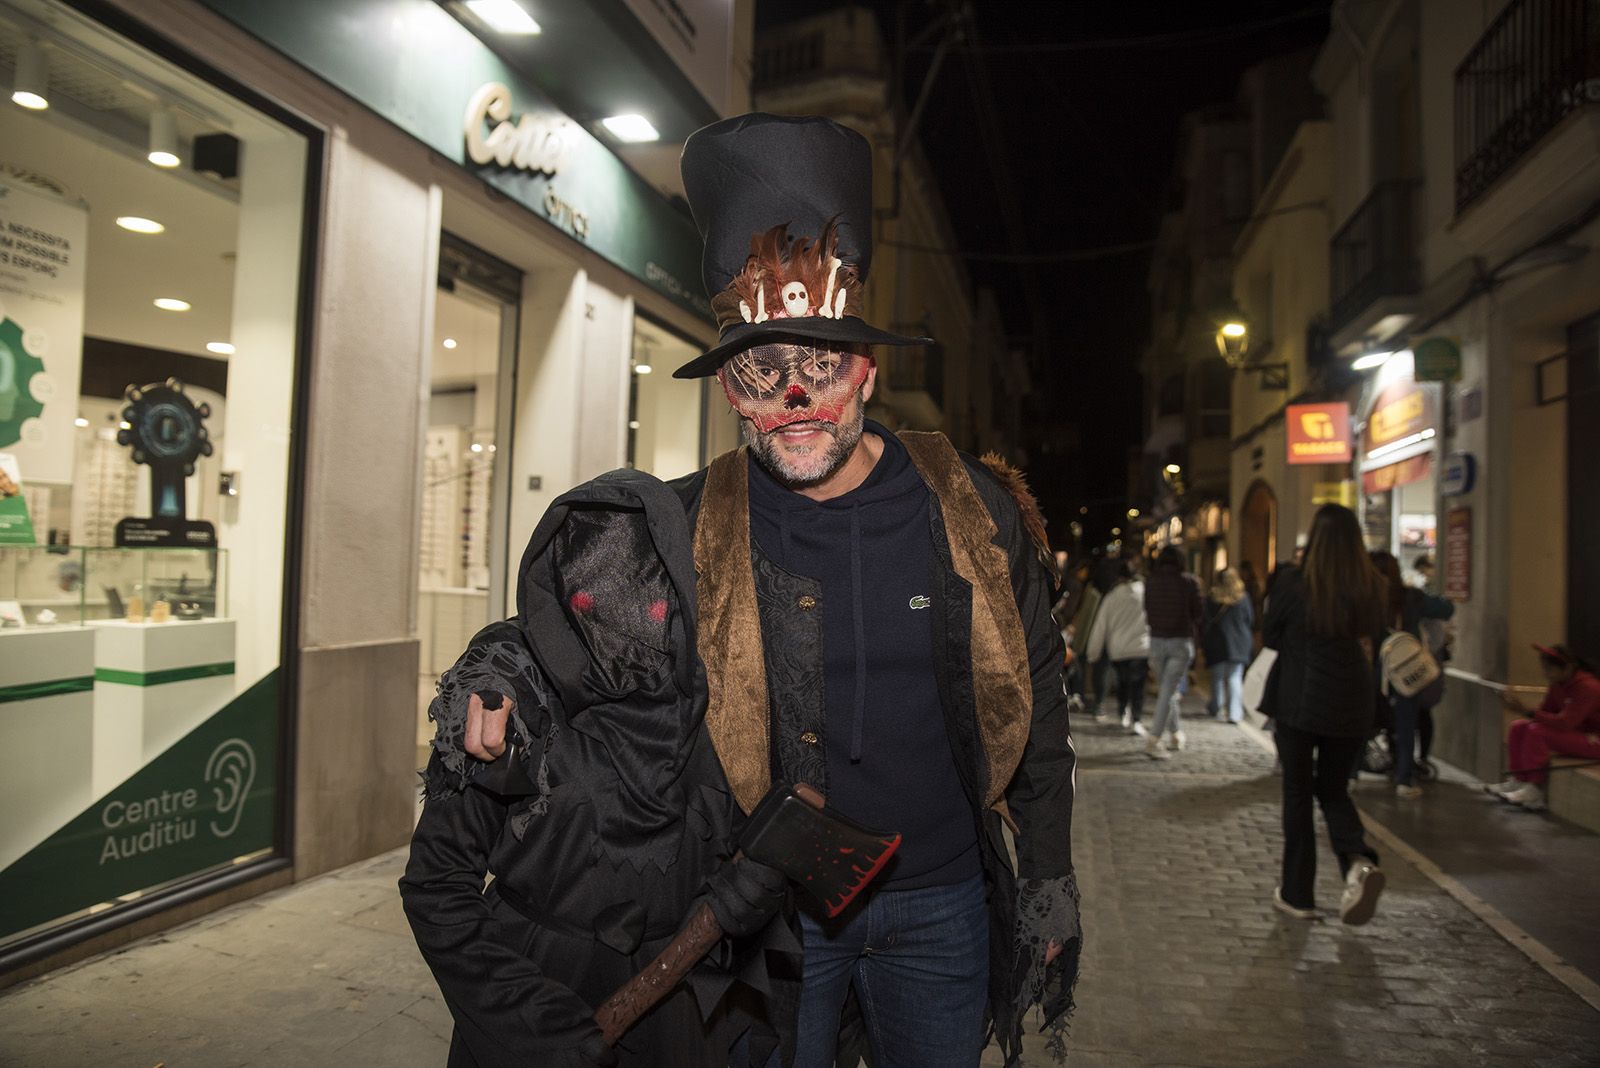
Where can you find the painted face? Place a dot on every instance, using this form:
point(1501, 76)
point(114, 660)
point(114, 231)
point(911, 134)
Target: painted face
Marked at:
point(775, 385)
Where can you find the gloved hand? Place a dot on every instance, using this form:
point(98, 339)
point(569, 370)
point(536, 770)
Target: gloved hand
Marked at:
point(744, 895)
point(591, 1053)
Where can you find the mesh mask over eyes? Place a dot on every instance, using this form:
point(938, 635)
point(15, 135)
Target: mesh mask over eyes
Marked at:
point(776, 385)
point(616, 594)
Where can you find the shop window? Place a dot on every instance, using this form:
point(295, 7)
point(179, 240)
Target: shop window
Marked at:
point(148, 353)
point(665, 414)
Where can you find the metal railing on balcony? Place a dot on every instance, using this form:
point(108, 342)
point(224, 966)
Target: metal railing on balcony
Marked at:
point(1535, 64)
point(787, 59)
point(1374, 255)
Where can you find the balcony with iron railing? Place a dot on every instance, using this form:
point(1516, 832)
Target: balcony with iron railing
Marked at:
point(1535, 65)
point(1374, 266)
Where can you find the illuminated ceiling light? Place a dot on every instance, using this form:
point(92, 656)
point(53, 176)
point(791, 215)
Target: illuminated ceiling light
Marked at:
point(504, 16)
point(139, 224)
point(30, 84)
point(163, 139)
point(642, 368)
point(172, 304)
point(1370, 360)
point(449, 342)
point(632, 129)
point(80, 421)
point(221, 348)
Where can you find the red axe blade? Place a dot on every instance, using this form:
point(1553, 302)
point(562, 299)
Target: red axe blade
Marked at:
point(827, 854)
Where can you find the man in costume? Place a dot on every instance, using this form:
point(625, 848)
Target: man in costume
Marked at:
point(874, 619)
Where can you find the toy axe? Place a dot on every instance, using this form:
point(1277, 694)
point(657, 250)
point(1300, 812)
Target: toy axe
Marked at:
point(793, 830)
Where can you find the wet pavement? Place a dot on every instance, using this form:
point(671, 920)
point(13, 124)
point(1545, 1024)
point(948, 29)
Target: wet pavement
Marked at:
point(1186, 962)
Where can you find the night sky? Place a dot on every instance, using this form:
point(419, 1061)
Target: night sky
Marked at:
point(1087, 109)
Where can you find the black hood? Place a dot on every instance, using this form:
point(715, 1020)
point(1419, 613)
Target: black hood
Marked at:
point(606, 602)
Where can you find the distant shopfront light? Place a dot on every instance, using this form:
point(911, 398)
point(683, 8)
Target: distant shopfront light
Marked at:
point(631, 129)
point(1371, 361)
point(172, 304)
point(221, 348)
point(504, 16)
point(163, 140)
point(30, 83)
point(139, 225)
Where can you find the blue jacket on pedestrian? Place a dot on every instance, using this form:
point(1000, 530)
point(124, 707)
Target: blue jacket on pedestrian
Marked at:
point(1229, 632)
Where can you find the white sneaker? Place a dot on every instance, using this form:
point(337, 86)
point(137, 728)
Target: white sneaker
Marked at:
point(1528, 796)
point(1502, 788)
point(1178, 741)
point(1155, 750)
point(1283, 906)
point(1102, 716)
point(1407, 793)
point(1127, 719)
point(1138, 729)
point(1362, 885)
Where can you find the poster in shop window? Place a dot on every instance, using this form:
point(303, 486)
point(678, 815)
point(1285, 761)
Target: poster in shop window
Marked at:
point(42, 239)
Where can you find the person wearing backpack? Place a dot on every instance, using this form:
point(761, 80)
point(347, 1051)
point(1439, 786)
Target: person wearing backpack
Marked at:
point(1229, 642)
point(1325, 619)
point(1407, 608)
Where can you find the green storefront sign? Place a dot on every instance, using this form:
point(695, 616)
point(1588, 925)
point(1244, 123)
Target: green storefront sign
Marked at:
point(210, 798)
point(1436, 359)
point(415, 65)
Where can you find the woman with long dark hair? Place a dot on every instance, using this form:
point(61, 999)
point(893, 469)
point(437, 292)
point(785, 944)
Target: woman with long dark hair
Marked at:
point(1325, 620)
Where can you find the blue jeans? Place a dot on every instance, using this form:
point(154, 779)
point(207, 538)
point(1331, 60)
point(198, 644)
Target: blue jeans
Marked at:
point(1227, 689)
point(1169, 659)
point(1405, 739)
point(919, 962)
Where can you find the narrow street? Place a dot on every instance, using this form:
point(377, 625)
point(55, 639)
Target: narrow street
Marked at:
point(1187, 963)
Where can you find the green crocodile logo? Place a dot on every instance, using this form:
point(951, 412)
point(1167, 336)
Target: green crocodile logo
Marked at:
point(919, 601)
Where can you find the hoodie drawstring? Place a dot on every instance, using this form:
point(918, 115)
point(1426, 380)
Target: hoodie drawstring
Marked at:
point(860, 635)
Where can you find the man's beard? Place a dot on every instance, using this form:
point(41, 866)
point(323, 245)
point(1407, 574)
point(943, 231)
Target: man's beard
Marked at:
point(812, 468)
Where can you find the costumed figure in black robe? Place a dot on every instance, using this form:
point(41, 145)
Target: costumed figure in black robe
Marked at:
point(606, 824)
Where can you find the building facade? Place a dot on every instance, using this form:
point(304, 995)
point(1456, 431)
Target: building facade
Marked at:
point(1457, 329)
point(309, 312)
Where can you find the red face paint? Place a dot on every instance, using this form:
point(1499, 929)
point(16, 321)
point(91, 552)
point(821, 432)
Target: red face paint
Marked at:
point(776, 385)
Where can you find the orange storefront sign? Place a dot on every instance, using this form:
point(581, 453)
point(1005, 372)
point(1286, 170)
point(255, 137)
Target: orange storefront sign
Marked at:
point(1318, 433)
point(1383, 479)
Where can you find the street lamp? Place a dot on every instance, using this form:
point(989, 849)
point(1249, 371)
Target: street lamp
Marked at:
point(1174, 470)
point(1233, 335)
point(1133, 513)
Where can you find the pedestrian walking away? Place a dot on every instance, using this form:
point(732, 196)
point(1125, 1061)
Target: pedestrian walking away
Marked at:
point(1122, 635)
point(873, 618)
point(1325, 620)
point(1228, 642)
point(1172, 606)
point(1567, 722)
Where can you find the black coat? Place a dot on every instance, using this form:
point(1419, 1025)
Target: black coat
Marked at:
point(610, 821)
point(1320, 684)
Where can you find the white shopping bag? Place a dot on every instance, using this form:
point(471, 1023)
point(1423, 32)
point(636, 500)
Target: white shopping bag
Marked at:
point(1255, 679)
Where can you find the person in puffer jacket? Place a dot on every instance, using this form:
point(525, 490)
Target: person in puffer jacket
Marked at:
point(1121, 632)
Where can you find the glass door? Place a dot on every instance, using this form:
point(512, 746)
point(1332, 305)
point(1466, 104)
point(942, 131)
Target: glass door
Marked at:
point(464, 543)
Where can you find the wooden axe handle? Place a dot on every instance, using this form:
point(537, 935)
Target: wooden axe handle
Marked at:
point(639, 995)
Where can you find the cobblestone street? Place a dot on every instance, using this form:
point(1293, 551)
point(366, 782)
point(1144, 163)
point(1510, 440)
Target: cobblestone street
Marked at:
point(1186, 964)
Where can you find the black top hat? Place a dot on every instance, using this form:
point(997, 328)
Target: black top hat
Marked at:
point(785, 207)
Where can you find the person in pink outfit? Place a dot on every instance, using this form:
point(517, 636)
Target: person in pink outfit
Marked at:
point(1567, 722)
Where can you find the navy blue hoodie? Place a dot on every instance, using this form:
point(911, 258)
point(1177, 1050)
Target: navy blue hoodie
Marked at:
point(890, 764)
